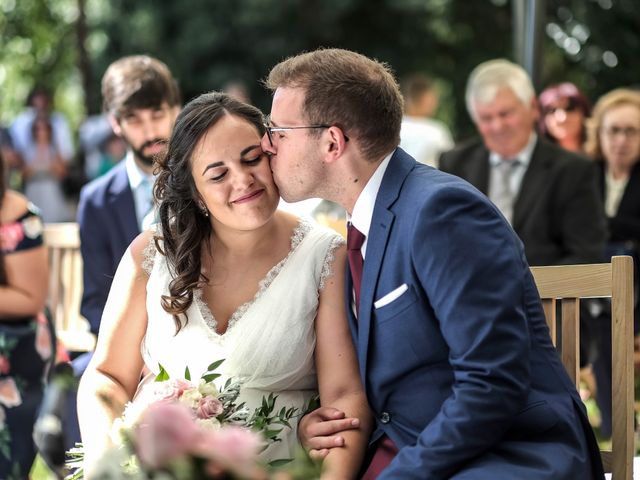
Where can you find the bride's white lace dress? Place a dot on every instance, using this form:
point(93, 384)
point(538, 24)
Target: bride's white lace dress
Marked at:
point(269, 343)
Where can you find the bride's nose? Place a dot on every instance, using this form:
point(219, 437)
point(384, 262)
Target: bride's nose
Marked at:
point(243, 179)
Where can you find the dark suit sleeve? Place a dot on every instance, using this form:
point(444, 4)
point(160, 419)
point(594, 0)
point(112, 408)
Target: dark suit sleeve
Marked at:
point(583, 221)
point(446, 162)
point(624, 226)
point(471, 267)
point(96, 258)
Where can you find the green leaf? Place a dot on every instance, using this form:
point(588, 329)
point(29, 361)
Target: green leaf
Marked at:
point(214, 365)
point(187, 374)
point(210, 377)
point(271, 433)
point(163, 376)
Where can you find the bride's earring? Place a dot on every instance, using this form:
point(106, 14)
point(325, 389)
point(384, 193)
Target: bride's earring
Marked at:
point(203, 208)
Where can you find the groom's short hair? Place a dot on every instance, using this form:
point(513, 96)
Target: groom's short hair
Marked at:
point(344, 88)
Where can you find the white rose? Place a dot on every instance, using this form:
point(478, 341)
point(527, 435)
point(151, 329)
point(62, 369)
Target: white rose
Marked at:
point(207, 389)
point(190, 397)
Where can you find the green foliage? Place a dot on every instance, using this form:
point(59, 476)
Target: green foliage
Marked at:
point(5, 442)
point(263, 418)
point(207, 44)
point(38, 47)
point(162, 376)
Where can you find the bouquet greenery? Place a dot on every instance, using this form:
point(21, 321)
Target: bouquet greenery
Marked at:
point(178, 429)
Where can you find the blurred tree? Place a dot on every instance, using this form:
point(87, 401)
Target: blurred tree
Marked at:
point(38, 47)
point(592, 43)
point(67, 44)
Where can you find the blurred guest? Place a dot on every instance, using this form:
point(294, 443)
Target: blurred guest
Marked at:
point(141, 100)
point(25, 338)
point(39, 104)
point(548, 194)
point(92, 133)
point(43, 172)
point(13, 160)
point(614, 142)
point(237, 89)
point(421, 136)
point(112, 151)
point(564, 111)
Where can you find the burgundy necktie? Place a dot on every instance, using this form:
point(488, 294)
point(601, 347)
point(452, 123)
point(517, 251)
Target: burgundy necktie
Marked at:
point(355, 239)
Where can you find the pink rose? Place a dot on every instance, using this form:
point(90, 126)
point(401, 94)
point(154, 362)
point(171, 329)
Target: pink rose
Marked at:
point(166, 431)
point(209, 407)
point(171, 389)
point(230, 448)
point(5, 366)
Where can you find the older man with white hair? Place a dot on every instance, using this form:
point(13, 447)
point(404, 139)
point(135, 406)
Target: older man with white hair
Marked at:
point(548, 194)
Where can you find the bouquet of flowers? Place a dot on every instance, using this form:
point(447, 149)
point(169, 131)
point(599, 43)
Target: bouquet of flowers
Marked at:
point(178, 429)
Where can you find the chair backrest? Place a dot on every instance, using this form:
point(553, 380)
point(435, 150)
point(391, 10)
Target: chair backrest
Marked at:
point(568, 284)
point(65, 286)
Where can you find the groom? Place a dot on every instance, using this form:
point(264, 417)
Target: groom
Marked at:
point(453, 347)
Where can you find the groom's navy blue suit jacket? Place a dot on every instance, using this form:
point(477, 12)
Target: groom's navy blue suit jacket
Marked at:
point(459, 370)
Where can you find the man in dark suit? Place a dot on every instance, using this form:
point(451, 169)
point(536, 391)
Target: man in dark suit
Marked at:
point(452, 342)
point(142, 101)
point(550, 197)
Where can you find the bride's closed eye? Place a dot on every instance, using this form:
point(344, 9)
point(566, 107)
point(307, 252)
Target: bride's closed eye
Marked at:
point(255, 160)
point(246, 161)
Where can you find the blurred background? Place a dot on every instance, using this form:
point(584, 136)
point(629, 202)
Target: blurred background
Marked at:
point(65, 45)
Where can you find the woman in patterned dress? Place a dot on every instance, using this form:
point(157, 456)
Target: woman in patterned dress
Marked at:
point(25, 338)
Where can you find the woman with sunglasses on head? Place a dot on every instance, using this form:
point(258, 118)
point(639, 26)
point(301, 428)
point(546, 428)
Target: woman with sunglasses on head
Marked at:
point(564, 109)
point(226, 275)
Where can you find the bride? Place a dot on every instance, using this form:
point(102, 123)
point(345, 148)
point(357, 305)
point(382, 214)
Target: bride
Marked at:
point(228, 276)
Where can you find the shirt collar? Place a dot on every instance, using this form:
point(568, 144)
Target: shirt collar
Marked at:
point(363, 208)
point(135, 174)
point(523, 156)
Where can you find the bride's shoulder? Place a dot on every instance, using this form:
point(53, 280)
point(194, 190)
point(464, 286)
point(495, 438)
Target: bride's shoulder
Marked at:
point(143, 249)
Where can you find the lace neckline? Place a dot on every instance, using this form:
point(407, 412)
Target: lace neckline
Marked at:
point(299, 233)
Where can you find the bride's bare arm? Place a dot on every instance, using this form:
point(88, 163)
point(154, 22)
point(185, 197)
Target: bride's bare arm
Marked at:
point(338, 375)
point(113, 374)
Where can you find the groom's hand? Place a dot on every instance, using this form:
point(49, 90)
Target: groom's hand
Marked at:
point(318, 430)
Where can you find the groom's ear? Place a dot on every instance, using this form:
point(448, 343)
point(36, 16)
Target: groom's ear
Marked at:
point(335, 143)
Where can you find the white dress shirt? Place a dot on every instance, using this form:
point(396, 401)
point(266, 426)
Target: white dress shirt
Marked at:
point(363, 208)
point(141, 185)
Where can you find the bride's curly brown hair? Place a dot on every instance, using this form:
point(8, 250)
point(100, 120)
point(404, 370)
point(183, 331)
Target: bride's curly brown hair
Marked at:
point(184, 227)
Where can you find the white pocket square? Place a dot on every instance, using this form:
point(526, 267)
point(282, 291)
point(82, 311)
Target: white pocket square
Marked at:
point(391, 296)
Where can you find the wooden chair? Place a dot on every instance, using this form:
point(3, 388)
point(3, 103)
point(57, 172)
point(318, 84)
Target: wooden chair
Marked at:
point(614, 280)
point(65, 286)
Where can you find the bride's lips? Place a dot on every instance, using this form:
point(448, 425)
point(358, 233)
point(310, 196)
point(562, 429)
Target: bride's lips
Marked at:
point(249, 197)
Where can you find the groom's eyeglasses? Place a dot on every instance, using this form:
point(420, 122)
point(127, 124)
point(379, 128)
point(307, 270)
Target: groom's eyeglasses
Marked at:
point(271, 130)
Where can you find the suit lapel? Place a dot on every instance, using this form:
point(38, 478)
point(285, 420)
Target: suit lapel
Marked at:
point(533, 183)
point(123, 205)
point(382, 220)
point(630, 195)
point(478, 170)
